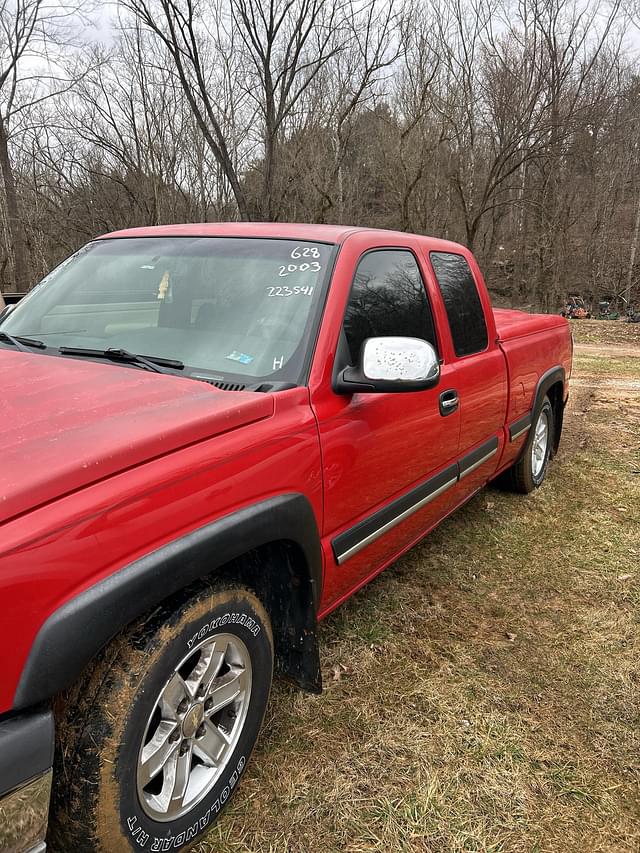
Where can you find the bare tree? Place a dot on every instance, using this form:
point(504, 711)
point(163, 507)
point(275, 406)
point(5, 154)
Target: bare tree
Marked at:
point(510, 125)
point(270, 53)
point(32, 32)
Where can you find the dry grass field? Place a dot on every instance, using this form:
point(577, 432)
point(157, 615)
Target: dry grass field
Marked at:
point(484, 693)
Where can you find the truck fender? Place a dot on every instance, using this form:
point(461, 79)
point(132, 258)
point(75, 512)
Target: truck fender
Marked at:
point(74, 633)
point(550, 378)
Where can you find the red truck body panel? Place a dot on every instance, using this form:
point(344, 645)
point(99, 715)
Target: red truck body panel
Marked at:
point(71, 423)
point(43, 554)
point(102, 464)
point(531, 342)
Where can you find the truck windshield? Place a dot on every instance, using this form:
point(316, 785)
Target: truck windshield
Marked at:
point(227, 308)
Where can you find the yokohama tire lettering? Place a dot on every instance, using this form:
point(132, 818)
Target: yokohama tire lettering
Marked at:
point(233, 618)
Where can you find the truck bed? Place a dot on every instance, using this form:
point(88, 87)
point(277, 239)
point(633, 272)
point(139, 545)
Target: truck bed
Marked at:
point(530, 342)
point(512, 324)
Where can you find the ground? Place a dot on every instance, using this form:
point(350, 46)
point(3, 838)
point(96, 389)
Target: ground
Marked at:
point(483, 694)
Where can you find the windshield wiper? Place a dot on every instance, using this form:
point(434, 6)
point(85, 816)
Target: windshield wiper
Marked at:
point(149, 362)
point(21, 343)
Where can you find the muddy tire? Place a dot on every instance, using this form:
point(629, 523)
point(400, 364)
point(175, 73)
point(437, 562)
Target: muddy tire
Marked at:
point(529, 471)
point(154, 739)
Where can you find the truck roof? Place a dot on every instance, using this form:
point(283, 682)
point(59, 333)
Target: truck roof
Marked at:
point(283, 230)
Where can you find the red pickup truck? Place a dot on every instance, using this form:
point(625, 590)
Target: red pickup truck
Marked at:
point(211, 436)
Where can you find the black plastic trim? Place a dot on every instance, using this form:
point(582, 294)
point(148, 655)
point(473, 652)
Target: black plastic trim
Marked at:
point(548, 378)
point(517, 428)
point(360, 534)
point(26, 748)
point(76, 632)
point(352, 381)
point(481, 454)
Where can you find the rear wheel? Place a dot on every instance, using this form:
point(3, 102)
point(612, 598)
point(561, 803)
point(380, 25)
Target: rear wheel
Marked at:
point(155, 738)
point(530, 470)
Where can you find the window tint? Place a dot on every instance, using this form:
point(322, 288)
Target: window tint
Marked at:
point(461, 299)
point(388, 297)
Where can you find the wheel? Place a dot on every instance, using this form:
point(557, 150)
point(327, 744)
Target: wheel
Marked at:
point(529, 471)
point(154, 739)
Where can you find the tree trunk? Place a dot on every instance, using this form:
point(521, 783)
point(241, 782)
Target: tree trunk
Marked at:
point(632, 256)
point(266, 205)
point(14, 225)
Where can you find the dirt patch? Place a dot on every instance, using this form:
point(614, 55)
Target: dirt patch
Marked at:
point(602, 332)
point(608, 350)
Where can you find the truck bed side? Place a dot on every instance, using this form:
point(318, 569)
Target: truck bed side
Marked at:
point(533, 345)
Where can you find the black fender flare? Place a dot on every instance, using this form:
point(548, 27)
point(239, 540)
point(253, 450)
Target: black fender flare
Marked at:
point(74, 633)
point(547, 380)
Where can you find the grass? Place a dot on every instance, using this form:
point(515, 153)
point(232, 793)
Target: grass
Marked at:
point(484, 693)
point(605, 332)
point(608, 365)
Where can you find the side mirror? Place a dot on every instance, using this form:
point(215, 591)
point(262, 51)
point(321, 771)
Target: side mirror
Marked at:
point(391, 364)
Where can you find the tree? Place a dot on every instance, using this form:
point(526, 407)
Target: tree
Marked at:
point(32, 32)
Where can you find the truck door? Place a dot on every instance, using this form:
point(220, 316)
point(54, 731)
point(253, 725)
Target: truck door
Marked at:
point(388, 459)
point(480, 367)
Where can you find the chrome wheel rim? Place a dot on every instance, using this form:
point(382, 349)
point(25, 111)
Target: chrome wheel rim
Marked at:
point(540, 443)
point(194, 727)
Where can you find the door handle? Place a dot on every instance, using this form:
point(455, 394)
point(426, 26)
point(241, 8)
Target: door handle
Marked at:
point(448, 402)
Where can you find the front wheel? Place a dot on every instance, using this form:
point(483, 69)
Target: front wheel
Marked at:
point(154, 740)
point(529, 471)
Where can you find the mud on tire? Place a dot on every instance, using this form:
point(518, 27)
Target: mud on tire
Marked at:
point(109, 796)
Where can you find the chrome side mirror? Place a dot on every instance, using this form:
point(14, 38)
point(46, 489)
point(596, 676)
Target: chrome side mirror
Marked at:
point(392, 364)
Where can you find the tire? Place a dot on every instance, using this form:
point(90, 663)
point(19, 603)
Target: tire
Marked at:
point(529, 471)
point(139, 707)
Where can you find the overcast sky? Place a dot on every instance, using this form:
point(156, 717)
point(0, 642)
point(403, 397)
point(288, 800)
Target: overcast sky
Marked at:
point(105, 16)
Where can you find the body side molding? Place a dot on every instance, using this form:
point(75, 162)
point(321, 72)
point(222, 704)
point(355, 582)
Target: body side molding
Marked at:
point(517, 428)
point(75, 633)
point(354, 539)
point(470, 461)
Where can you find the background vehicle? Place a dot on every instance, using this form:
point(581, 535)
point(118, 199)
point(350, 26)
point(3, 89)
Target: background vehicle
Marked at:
point(217, 433)
point(605, 311)
point(576, 309)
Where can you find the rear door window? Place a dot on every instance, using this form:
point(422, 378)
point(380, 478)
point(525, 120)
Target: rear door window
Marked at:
point(462, 302)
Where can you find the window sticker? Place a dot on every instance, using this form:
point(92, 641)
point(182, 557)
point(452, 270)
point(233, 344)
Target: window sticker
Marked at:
point(242, 357)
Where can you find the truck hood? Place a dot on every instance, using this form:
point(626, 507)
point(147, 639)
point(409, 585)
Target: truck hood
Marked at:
point(66, 423)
